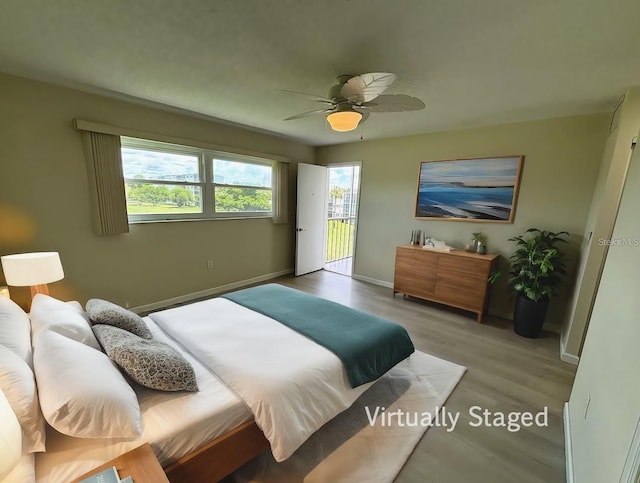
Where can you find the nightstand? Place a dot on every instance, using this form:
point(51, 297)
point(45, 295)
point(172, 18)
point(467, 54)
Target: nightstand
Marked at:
point(140, 464)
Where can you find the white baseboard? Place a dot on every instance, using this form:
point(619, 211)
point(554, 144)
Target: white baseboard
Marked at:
point(210, 291)
point(566, 357)
point(568, 450)
point(374, 281)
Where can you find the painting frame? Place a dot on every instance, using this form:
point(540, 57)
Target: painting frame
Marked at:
point(480, 190)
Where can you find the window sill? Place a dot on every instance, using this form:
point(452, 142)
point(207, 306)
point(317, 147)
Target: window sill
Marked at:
point(182, 220)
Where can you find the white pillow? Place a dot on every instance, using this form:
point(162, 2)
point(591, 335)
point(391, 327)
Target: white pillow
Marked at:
point(66, 319)
point(82, 393)
point(15, 330)
point(19, 387)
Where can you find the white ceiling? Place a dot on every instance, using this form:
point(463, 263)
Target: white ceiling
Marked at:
point(472, 62)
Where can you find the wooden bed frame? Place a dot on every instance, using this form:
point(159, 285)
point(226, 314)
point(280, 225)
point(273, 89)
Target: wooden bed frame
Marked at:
point(220, 457)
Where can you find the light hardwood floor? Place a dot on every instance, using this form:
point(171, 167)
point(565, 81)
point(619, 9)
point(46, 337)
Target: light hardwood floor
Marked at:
point(505, 373)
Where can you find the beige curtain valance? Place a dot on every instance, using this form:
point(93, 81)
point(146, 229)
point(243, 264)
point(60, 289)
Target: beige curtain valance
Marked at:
point(97, 127)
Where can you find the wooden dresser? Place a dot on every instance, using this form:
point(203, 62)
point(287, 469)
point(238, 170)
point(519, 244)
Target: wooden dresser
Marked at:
point(457, 278)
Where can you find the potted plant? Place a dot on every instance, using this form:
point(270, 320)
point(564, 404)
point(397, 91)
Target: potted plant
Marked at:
point(479, 242)
point(537, 269)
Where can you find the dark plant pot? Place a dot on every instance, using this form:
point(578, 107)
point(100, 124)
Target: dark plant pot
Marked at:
point(528, 316)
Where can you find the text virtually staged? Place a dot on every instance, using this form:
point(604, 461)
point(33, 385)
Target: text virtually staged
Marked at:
point(441, 417)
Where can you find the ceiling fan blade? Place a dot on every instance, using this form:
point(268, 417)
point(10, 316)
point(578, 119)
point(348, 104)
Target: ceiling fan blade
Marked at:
point(365, 114)
point(312, 97)
point(309, 113)
point(366, 87)
point(394, 103)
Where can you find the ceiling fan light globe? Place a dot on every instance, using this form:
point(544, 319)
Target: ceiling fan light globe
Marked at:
point(343, 121)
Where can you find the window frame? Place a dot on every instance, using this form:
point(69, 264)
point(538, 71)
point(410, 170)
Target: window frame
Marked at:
point(207, 184)
point(222, 156)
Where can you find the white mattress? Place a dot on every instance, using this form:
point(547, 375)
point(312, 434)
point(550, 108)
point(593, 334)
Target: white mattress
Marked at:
point(174, 424)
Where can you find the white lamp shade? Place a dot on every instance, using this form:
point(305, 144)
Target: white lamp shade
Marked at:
point(10, 438)
point(27, 269)
point(343, 121)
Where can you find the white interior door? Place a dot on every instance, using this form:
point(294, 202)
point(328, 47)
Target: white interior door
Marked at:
point(310, 218)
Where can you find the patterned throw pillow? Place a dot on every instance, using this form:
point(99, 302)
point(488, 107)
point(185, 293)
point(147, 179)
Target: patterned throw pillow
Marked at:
point(148, 362)
point(103, 312)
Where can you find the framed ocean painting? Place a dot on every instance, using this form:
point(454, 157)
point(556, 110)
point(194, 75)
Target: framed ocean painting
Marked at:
point(478, 189)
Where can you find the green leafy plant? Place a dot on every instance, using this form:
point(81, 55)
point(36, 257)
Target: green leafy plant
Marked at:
point(494, 276)
point(537, 265)
point(480, 237)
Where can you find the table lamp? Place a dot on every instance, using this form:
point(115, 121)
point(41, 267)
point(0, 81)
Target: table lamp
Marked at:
point(33, 270)
point(10, 438)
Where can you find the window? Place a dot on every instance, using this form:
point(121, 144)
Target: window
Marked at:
point(241, 187)
point(171, 182)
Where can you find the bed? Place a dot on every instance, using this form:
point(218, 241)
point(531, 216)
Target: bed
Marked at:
point(261, 386)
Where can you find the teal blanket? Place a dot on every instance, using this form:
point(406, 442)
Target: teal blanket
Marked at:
point(367, 345)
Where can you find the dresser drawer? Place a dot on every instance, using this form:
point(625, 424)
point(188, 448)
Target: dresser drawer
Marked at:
point(464, 299)
point(415, 273)
point(461, 264)
point(414, 263)
point(471, 282)
point(414, 287)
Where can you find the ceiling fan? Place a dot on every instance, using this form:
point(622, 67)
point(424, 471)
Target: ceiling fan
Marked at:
point(355, 97)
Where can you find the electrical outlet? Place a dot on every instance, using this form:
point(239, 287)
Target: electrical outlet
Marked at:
point(210, 264)
point(586, 407)
point(127, 305)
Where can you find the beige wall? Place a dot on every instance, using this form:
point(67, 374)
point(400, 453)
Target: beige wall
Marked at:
point(44, 202)
point(562, 158)
point(601, 219)
point(602, 428)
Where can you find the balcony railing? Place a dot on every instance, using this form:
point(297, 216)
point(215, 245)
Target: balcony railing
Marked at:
point(340, 231)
